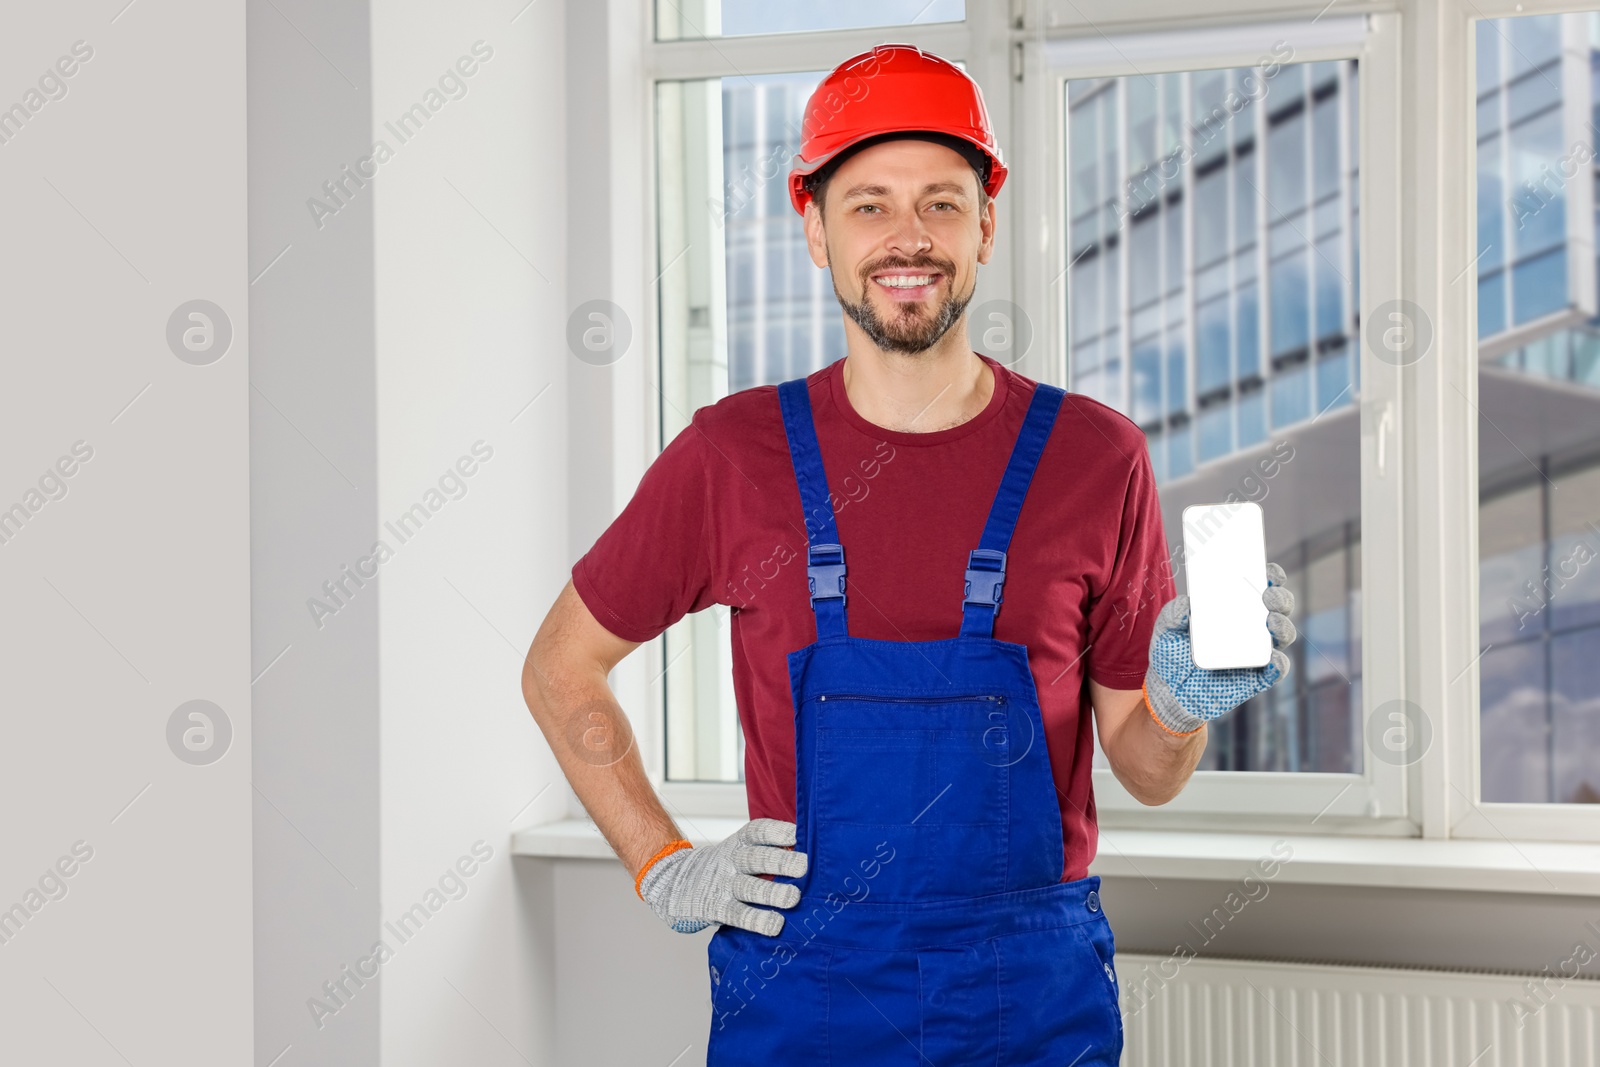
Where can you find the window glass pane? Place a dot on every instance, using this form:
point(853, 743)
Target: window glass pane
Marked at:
point(1211, 217)
point(1247, 84)
point(1252, 418)
point(1146, 380)
point(1244, 267)
point(1327, 217)
point(1488, 55)
point(1532, 94)
point(1288, 317)
point(1491, 198)
point(1177, 376)
point(1291, 395)
point(1085, 149)
point(1246, 192)
point(1214, 357)
point(1215, 427)
point(1145, 264)
point(1083, 285)
point(1538, 196)
point(1209, 115)
point(1180, 450)
point(1141, 128)
point(1330, 288)
point(1538, 423)
point(1321, 607)
point(1286, 166)
point(1325, 147)
point(1247, 341)
point(1173, 213)
point(694, 19)
point(1574, 716)
point(1489, 114)
point(1172, 101)
point(1539, 286)
point(1534, 40)
point(1514, 723)
point(1574, 536)
point(1333, 380)
point(1208, 263)
point(1112, 393)
point(1492, 304)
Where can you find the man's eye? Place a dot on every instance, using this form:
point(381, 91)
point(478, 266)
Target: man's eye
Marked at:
point(945, 203)
point(864, 207)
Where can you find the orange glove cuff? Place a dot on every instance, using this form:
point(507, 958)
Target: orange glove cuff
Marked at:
point(667, 849)
point(1157, 719)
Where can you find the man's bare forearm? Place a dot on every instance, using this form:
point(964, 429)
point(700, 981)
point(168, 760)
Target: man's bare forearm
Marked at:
point(567, 692)
point(1151, 762)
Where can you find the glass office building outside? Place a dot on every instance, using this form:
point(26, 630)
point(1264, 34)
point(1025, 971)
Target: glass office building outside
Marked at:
point(1539, 407)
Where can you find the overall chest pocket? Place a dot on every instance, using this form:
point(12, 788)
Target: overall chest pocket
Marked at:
point(929, 776)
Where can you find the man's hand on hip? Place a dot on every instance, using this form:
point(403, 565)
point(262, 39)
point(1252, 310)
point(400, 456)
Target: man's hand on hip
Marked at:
point(693, 888)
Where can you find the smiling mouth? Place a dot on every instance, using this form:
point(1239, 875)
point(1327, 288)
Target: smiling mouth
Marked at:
point(906, 281)
point(909, 288)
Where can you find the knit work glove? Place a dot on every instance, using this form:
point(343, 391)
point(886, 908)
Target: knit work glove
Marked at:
point(1183, 697)
point(692, 888)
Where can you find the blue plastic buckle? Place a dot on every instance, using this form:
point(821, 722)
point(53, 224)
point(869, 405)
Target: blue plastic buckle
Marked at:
point(984, 583)
point(825, 572)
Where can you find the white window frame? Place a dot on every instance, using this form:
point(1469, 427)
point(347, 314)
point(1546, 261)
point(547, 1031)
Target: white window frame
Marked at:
point(1415, 192)
point(1450, 656)
point(1376, 801)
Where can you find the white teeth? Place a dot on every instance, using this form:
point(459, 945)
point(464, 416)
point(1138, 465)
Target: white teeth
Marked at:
point(907, 281)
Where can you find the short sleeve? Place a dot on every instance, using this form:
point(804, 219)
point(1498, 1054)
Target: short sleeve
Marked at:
point(651, 566)
point(1140, 584)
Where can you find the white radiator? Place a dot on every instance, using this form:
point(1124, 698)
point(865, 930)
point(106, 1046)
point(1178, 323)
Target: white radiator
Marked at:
point(1188, 1012)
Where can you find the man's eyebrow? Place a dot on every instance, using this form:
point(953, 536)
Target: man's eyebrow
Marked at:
point(860, 191)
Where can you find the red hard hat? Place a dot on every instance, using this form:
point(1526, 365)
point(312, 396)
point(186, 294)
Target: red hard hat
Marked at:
point(892, 89)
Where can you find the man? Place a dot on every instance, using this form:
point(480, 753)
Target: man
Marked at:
point(918, 649)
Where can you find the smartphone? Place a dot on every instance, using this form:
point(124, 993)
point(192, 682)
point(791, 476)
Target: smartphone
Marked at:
point(1225, 564)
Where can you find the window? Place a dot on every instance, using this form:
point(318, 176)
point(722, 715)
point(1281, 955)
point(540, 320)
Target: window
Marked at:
point(1530, 135)
point(741, 303)
point(1265, 160)
point(1213, 237)
point(1538, 412)
point(1237, 223)
point(734, 267)
point(1213, 301)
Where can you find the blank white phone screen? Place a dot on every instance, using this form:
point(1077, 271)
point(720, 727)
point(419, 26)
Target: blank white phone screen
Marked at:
point(1225, 564)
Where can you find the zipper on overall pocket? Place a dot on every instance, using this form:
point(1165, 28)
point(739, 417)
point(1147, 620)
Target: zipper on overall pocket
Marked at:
point(998, 698)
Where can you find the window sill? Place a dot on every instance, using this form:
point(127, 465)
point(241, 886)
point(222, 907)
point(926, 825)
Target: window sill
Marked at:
point(1536, 867)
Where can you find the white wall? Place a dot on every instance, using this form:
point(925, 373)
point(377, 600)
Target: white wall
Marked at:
point(471, 306)
point(125, 593)
point(395, 334)
point(314, 506)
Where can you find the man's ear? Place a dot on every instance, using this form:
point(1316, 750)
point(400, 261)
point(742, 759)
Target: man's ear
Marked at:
point(986, 226)
point(816, 240)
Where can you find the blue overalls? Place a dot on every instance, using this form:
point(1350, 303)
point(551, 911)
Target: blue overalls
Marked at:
point(933, 927)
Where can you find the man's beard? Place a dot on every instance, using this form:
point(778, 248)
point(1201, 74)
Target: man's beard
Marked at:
point(909, 332)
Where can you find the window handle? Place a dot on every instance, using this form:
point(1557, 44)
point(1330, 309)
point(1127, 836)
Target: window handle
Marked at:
point(1381, 413)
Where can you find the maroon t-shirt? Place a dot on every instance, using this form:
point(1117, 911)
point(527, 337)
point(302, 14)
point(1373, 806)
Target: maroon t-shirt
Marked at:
point(717, 519)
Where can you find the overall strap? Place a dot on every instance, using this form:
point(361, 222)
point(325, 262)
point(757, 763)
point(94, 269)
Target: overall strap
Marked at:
point(986, 565)
point(824, 553)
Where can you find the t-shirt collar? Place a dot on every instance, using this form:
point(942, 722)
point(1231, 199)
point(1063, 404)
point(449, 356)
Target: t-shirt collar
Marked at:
point(997, 400)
